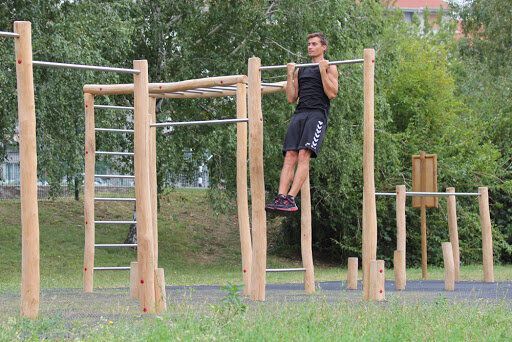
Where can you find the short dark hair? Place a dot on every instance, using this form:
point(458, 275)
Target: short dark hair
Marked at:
point(320, 35)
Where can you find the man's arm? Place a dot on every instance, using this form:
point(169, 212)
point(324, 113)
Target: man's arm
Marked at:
point(292, 83)
point(329, 75)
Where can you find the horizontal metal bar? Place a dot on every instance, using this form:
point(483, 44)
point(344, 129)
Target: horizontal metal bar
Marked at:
point(113, 107)
point(230, 88)
point(192, 91)
point(112, 268)
point(85, 67)
point(429, 194)
point(283, 66)
point(115, 222)
point(115, 130)
point(9, 34)
point(286, 269)
point(114, 176)
point(210, 90)
point(114, 199)
point(115, 245)
point(108, 153)
point(272, 85)
point(206, 122)
point(385, 194)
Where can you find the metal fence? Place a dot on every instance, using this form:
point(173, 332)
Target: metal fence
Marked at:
point(116, 186)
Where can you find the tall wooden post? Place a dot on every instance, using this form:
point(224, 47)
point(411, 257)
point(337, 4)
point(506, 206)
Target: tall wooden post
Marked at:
point(423, 182)
point(454, 232)
point(145, 248)
point(485, 221)
point(306, 237)
point(30, 276)
point(90, 150)
point(153, 177)
point(241, 187)
point(369, 209)
point(259, 219)
point(400, 265)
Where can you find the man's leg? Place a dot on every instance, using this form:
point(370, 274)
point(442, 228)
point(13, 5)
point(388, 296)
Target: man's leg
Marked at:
point(290, 160)
point(301, 173)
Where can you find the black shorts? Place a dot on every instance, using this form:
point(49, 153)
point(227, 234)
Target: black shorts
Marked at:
point(306, 131)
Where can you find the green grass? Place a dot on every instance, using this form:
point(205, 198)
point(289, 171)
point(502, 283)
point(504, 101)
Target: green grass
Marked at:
point(197, 246)
point(200, 246)
point(312, 321)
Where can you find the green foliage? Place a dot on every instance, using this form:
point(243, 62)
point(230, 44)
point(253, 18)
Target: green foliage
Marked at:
point(232, 304)
point(432, 93)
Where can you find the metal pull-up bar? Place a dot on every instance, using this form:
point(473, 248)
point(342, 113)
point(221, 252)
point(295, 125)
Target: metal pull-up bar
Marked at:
point(284, 66)
point(429, 194)
point(113, 107)
point(85, 67)
point(207, 122)
point(9, 34)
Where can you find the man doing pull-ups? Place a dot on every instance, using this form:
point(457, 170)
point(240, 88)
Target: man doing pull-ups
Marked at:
point(313, 87)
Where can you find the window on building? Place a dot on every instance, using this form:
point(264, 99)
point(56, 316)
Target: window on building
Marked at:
point(408, 16)
point(12, 173)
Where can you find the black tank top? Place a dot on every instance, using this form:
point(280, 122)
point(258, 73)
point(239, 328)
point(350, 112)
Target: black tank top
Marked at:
point(311, 90)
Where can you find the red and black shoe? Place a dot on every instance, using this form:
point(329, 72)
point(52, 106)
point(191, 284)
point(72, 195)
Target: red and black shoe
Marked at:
point(287, 204)
point(277, 202)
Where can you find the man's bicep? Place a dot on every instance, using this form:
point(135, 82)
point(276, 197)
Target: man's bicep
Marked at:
point(333, 75)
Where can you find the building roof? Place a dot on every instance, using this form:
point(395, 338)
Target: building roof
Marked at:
point(417, 4)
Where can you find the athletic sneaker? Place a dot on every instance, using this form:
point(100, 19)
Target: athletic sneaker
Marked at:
point(277, 201)
point(287, 204)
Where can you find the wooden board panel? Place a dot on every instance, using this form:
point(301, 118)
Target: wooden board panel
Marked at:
point(431, 180)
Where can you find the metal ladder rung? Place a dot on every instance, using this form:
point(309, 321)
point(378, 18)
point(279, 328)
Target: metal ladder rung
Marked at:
point(286, 269)
point(114, 130)
point(114, 176)
point(115, 222)
point(115, 245)
point(114, 199)
point(109, 153)
point(114, 107)
point(112, 268)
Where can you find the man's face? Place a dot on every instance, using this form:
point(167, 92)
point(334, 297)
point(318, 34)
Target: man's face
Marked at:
point(315, 47)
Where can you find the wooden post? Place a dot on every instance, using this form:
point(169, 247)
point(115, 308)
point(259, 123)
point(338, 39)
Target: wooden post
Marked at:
point(369, 235)
point(400, 218)
point(423, 181)
point(30, 276)
point(145, 248)
point(134, 280)
point(241, 187)
point(352, 274)
point(160, 294)
point(401, 235)
point(306, 237)
point(399, 268)
point(90, 151)
point(377, 280)
point(153, 177)
point(259, 219)
point(454, 232)
point(485, 222)
point(449, 275)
